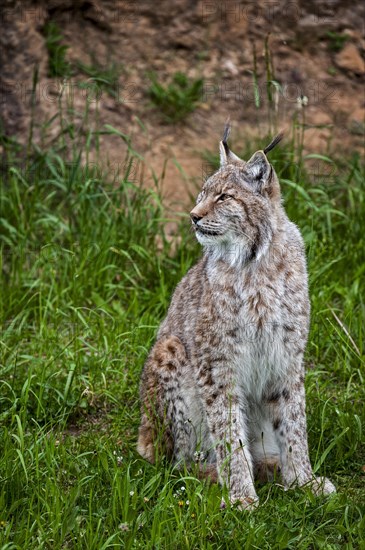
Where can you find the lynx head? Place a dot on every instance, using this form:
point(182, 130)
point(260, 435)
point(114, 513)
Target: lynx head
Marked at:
point(236, 210)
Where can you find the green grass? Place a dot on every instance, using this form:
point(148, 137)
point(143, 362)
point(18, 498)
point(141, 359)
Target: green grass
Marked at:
point(87, 275)
point(58, 66)
point(178, 99)
point(101, 78)
point(336, 41)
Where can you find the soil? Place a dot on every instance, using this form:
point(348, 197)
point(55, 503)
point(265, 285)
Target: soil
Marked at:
point(316, 53)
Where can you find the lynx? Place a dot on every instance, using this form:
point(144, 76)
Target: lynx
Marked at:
point(224, 383)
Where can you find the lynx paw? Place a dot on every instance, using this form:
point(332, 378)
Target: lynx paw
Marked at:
point(322, 486)
point(248, 503)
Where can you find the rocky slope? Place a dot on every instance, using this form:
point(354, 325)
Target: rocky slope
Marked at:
point(316, 60)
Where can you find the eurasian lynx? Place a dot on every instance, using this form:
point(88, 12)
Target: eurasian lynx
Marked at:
point(224, 382)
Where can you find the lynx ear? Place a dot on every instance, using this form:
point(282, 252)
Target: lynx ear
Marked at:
point(225, 154)
point(258, 169)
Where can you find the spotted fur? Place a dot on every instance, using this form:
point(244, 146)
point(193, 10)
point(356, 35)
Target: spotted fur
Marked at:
point(224, 381)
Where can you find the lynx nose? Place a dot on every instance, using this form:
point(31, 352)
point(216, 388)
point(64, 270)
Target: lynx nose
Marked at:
point(195, 218)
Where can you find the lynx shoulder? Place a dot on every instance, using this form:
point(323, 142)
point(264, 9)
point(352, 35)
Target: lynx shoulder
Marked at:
point(224, 383)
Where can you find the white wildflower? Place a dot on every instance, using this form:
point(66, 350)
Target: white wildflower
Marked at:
point(302, 101)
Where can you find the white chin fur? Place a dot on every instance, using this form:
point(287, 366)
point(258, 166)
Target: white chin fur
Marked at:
point(207, 240)
point(222, 247)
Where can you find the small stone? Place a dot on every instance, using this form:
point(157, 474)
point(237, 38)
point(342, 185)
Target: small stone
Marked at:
point(349, 59)
point(230, 67)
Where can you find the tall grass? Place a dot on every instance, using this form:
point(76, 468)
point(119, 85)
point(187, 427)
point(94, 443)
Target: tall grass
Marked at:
point(87, 274)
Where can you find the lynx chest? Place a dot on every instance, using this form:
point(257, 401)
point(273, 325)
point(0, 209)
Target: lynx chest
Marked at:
point(255, 325)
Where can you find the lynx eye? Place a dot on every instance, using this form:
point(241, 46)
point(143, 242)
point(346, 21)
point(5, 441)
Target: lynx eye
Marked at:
point(223, 197)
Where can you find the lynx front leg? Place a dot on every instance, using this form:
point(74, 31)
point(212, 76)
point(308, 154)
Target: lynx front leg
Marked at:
point(228, 429)
point(290, 426)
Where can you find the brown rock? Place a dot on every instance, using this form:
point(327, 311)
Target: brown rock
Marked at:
point(349, 59)
point(357, 122)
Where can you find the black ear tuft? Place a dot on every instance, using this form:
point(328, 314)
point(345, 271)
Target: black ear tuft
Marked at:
point(226, 155)
point(227, 131)
point(274, 143)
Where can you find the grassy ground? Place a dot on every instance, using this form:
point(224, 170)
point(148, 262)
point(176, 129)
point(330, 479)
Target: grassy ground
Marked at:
point(87, 275)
